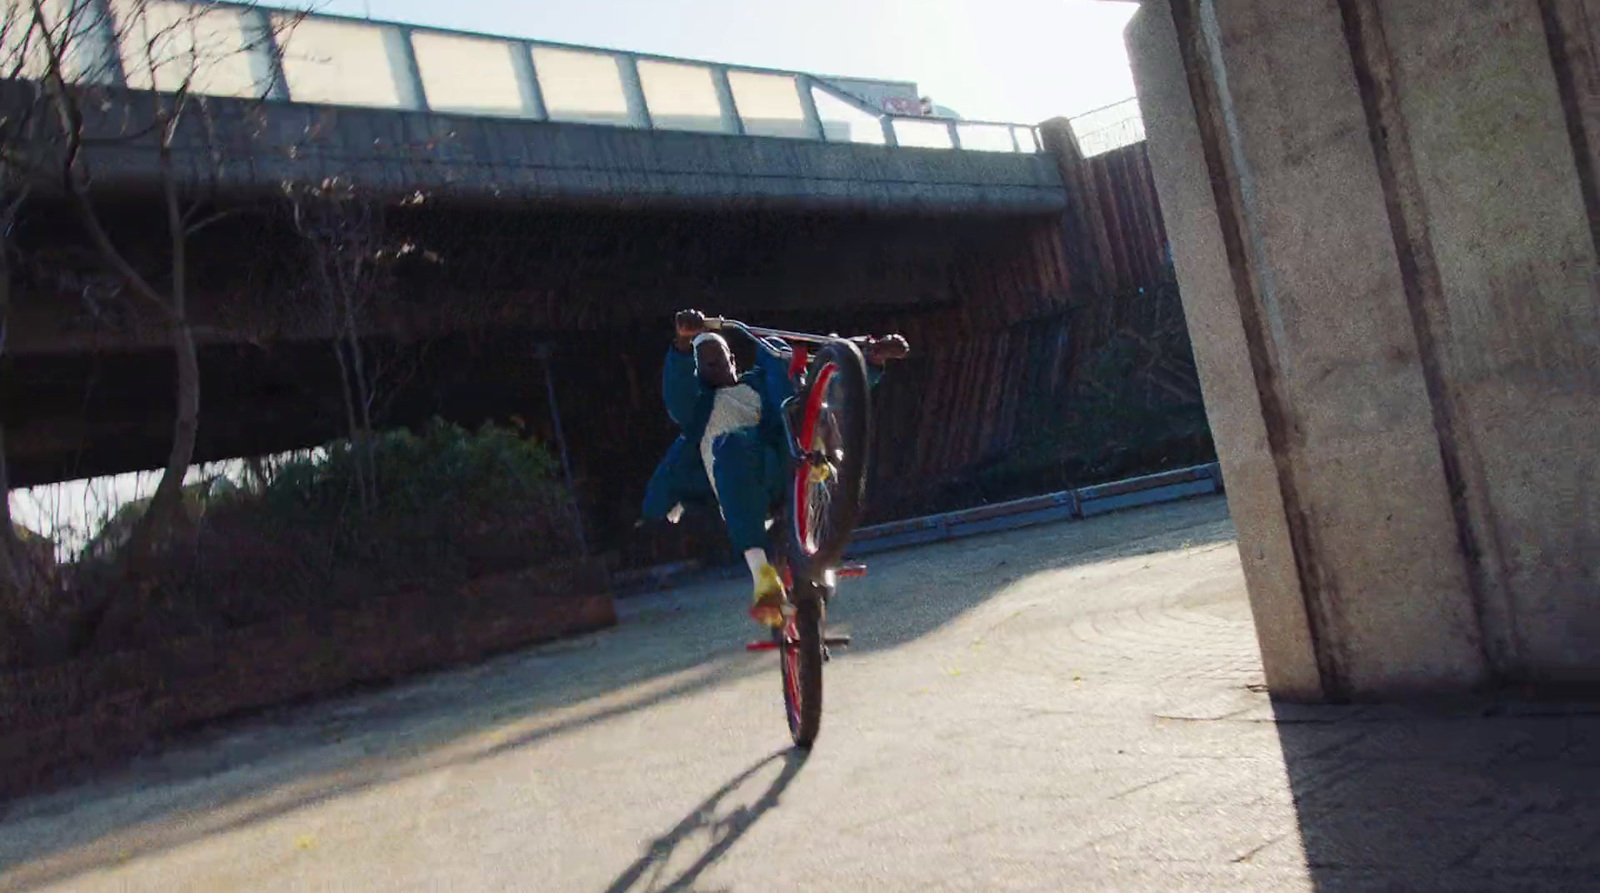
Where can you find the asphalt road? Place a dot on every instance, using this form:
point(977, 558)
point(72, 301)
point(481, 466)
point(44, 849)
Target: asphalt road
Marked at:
point(1069, 707)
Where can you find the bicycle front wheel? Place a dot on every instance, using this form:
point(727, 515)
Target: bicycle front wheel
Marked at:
point(836, 426)
point(801, 647)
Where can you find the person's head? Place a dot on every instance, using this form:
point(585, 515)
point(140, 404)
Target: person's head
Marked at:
point(713, 361)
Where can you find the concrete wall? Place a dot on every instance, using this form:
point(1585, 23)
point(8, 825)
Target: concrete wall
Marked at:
point(90, 712)
point(1383, 220)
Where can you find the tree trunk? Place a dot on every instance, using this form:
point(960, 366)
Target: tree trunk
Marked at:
point(258, 473)
point(365, 457)
point(153, 531)
point(19, 579)
point(13, 582)
point(347, 388)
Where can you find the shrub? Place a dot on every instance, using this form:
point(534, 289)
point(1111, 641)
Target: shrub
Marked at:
point(449, 505)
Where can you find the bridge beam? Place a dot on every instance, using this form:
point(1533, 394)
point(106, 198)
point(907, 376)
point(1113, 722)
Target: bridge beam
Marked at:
point(242, 148)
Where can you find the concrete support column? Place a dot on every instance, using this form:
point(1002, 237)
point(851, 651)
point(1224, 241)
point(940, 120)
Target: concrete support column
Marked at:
point(726, 105)
point(528, 89)
point(1383, 218)
point(264, 55)
point(633, 92)
point(95, 50)
point(403, 68)
point(891, 137)
point(808, 108)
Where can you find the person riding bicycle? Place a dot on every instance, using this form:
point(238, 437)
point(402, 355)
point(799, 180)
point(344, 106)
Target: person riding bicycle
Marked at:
point(731, 450)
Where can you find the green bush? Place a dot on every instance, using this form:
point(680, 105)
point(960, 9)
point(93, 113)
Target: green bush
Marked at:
point(446, 505)
point(444, 467)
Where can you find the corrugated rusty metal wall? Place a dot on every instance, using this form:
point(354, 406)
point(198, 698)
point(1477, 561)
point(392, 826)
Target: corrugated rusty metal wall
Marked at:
point(1114, 232)
point(1128, 215)
point(1024, 317)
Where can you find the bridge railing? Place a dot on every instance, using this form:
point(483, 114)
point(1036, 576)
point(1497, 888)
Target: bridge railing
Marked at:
point(240, 50)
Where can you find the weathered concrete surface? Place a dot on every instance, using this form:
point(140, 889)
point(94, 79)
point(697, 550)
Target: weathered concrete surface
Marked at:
point(1378, 213)
point(240, 147)
point(1221, 349)
point(1068, 708)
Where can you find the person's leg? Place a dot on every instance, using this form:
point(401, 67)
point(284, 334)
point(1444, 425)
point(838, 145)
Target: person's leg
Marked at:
point(737, 465)
point(736, 462)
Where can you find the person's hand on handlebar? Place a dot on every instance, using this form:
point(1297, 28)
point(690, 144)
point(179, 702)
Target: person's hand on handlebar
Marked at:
point(689, 323)
point(879, 351)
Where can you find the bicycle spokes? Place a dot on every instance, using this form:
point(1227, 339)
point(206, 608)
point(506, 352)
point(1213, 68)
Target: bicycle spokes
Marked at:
point(823, 444)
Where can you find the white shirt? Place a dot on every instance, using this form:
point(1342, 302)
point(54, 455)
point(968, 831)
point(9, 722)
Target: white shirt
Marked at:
point(733, 408)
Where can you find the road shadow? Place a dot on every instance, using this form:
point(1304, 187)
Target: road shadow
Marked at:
point(1486, 795)
point(239, 773)
point(243, 772)
point(721, 827)
point(889, 607)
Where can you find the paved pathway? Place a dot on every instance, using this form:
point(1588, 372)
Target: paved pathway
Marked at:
point(1074, 707)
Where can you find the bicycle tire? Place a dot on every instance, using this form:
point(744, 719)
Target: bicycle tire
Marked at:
point(823, 518)
point(801, 642)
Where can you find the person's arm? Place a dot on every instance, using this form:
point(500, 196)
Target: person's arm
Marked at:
point(779, 345)
point(680, 388)
point(774, 365)
point(878, 352)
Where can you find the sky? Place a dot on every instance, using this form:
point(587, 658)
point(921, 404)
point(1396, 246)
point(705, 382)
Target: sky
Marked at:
point(1001, 60)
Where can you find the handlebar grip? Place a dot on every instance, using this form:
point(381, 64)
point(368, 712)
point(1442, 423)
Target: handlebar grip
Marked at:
point(714, 323)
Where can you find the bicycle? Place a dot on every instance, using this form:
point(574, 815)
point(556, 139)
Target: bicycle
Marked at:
point(827, 425)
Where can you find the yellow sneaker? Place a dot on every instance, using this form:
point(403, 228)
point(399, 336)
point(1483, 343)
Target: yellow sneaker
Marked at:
point(770, 599)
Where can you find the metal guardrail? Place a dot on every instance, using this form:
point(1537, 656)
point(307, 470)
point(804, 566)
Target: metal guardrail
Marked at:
point(1085, 502)
point(247, 51)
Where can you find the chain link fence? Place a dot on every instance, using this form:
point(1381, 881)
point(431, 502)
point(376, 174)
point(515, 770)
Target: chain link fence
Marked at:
point(1109, 127)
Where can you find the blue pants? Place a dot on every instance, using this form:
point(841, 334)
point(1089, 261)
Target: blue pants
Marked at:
point(750, 480)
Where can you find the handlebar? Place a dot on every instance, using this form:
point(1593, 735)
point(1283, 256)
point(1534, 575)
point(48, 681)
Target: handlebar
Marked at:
point(757, 333)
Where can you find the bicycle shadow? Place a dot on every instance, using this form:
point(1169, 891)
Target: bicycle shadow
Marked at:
point(646, 874)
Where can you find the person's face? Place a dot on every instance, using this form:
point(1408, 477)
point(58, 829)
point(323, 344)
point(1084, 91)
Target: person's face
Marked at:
point(714, 362)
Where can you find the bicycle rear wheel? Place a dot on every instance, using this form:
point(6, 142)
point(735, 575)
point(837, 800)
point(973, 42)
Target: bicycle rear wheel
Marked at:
point(837, 424)
point(800, 648)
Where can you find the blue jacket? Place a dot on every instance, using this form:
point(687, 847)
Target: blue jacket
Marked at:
point(681, 475)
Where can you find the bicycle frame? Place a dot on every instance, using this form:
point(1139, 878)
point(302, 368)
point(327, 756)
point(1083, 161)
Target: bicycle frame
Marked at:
point(759, 336)
point(803, 648)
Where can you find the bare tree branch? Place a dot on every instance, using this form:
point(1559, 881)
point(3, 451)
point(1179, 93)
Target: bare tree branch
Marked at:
point(192, 226)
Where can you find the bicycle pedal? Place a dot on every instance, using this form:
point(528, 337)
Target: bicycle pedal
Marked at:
point(851, 570)
point(841, 641)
